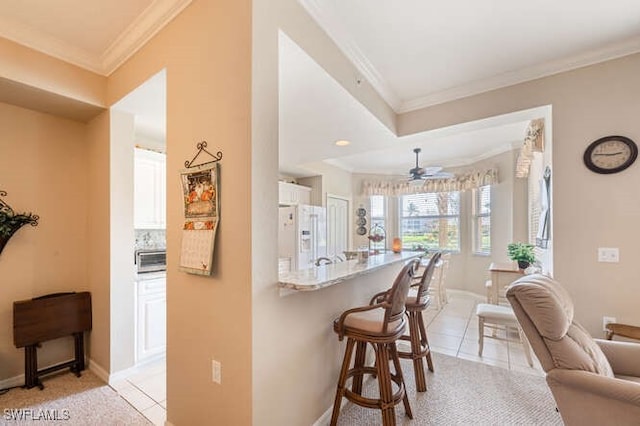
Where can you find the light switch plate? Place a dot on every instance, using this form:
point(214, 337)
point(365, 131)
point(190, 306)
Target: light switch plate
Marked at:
point(608, 254)
point(216, 371)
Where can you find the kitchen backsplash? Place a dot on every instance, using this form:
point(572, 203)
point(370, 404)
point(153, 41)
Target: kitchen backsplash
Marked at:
point(150, 239)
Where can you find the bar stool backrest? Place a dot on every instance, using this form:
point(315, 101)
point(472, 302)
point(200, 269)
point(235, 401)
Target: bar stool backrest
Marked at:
point(397, 295)
point(425, 281)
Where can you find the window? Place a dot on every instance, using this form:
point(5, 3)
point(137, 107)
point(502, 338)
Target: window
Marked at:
point(376, 211)
point(430, 221)
point(482, 220)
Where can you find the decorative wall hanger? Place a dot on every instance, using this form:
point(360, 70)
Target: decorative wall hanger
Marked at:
point(10, 221)
point(201, 194)
point(202, 147)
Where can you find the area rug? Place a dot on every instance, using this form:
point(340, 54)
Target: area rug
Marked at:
point(462, 392)
point(69, 400)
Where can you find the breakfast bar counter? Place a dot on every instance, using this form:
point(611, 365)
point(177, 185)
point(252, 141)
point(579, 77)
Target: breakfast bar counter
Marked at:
point(327, 275)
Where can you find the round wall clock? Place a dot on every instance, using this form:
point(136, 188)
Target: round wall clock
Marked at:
point(611, 154)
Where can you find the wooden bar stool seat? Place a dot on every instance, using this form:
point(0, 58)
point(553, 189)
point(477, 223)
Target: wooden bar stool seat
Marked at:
point(380, 325)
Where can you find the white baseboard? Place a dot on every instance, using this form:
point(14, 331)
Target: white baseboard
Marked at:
point(12, 381)
point(98, 370)
point(19, 380)
point(467, 293)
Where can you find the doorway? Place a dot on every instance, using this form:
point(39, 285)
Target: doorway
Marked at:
point(138, 294)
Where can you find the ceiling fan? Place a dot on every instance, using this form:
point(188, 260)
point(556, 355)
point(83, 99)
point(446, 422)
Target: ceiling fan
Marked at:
point(419, 173)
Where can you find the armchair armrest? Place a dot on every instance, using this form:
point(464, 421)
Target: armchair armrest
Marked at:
point(585, 382)
point(623, 356)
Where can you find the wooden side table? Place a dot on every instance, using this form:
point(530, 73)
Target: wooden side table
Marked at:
point(46, 318)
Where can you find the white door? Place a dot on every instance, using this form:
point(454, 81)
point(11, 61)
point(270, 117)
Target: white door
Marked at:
point(337, 226)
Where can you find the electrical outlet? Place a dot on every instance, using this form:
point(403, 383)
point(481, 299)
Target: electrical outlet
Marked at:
point(605, 321)
point(216, 371)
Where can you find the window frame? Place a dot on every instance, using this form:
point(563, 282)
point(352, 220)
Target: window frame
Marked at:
point(377, 219)
point(476, 217)
point(437, 217)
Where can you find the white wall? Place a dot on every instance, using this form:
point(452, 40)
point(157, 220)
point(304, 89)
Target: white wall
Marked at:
point(122, 241)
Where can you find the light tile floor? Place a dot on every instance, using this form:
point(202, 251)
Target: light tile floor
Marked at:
point(146, 391)
point(453, 330)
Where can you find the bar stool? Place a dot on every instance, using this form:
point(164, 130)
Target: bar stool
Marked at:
point(379, 324)
point(417, 301)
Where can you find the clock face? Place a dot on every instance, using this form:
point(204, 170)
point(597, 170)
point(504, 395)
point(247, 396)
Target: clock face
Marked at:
point(610, 154)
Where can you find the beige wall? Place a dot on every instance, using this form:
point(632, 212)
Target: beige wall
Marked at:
point(99, 228)
point(295, 352)
point(206, 51)
point(589, 210)
point(43, 168)
point(31, 68)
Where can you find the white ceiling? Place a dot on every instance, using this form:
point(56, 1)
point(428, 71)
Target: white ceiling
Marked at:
point(414, 53)
point(422, 52)
point(417, 53)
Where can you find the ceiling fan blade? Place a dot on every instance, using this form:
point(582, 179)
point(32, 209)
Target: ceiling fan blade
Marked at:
point(431, 170)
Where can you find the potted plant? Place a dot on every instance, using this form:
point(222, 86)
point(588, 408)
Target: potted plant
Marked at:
point(521, 253)
point(11, 221)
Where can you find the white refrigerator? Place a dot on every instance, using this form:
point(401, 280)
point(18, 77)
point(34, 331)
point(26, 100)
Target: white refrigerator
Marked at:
point(302, 236)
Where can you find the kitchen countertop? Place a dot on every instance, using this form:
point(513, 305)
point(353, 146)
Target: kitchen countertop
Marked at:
point(328, 275)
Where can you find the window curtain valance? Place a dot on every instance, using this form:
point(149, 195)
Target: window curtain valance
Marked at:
point(461, 182)
point(533, 142)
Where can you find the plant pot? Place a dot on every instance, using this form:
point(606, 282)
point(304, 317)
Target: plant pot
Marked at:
point(523, 264)
point(3, 242)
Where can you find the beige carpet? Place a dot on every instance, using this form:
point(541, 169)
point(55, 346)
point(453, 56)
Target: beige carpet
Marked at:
point(73, 401)
point(462, 392)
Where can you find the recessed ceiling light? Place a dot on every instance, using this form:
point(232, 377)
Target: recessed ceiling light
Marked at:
point(342, 143)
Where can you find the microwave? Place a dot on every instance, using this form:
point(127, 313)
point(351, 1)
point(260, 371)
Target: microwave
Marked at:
point(150, 260)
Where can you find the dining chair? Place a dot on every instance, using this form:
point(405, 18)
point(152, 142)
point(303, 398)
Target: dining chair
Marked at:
point(496, 314)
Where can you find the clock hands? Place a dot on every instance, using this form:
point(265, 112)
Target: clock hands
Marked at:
point(609, 154)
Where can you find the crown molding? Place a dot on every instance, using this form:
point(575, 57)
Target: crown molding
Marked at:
point(613, 51)
point(141, 30)
point(145, 26)
point(330, 23)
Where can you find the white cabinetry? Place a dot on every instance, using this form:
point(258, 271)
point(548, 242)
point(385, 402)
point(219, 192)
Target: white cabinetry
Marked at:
point(151, 317)
point(150, 187)
point(290, 193)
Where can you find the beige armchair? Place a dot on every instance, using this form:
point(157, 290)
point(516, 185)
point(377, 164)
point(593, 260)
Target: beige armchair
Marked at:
point(594, 382)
